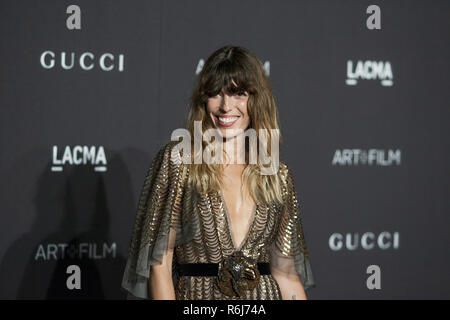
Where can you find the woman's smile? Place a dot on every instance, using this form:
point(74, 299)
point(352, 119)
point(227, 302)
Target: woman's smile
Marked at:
point(226, 120)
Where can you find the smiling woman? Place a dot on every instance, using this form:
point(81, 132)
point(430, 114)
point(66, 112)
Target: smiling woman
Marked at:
point(220, 230)
point(228, 110)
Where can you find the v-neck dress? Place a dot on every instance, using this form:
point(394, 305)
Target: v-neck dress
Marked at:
point(169, 207)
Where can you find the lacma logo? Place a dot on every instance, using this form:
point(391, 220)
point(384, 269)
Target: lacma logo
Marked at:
point(352, 157)
point(79, 155)
point(369, 70)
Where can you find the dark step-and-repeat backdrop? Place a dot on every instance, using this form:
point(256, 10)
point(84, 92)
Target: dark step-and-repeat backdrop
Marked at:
point(90, 90)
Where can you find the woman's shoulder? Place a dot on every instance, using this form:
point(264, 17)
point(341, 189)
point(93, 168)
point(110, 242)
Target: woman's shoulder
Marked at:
point(283, 167)
point(169, 153)
point(166, 147)
point(167, 163)
point(283, 171)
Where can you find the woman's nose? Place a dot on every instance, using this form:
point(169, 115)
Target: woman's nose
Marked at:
point(226, 103)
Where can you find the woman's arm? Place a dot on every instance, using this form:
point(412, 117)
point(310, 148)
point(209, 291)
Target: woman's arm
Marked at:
point(290, 286)
point(161, 284)
point(289, 258)
point(148, 267)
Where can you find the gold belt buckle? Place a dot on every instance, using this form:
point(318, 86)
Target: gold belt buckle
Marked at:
point(237, 274)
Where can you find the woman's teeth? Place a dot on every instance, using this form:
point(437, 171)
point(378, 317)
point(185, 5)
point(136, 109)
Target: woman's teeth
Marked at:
point(227, 120)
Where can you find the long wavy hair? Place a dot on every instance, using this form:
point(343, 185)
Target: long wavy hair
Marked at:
point(239, 64)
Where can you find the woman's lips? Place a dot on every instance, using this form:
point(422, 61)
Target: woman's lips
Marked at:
point(226, 121)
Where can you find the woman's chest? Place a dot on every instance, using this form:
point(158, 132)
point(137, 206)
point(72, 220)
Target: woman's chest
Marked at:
point(215, 233)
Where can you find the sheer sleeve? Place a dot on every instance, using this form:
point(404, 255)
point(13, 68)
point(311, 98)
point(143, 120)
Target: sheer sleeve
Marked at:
point(288, 253)
point(157, 217)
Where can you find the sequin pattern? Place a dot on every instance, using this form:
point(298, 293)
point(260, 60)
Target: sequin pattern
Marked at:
point(167, 201)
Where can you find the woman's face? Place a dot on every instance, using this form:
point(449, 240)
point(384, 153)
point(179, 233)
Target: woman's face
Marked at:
point(228, 111)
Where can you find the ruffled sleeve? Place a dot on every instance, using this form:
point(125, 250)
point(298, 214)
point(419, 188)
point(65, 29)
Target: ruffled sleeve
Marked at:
point(289, 254)
point(158, 216)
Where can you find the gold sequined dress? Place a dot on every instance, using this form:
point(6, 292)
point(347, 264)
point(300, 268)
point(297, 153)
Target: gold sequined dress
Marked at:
point(200, 222)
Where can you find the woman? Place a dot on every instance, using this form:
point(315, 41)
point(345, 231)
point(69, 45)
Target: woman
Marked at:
point(220, 230)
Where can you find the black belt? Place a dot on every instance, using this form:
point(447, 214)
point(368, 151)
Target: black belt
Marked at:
point(211, 269)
